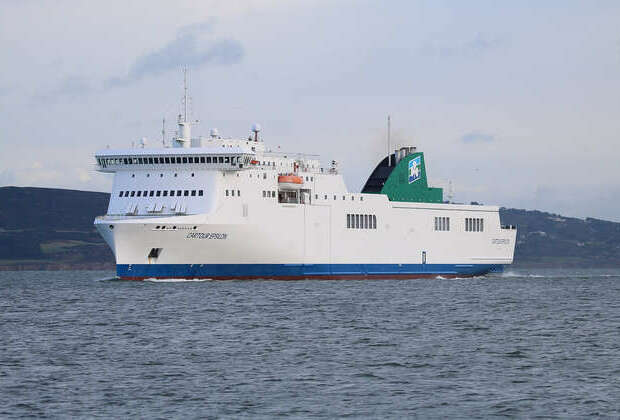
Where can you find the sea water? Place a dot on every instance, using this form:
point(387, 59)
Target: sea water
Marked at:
point(525, 343)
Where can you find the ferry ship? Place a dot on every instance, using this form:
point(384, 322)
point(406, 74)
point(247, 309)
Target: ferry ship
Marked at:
point(224, 208)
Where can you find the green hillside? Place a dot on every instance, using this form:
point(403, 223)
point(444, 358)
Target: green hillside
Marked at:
point(44, 228)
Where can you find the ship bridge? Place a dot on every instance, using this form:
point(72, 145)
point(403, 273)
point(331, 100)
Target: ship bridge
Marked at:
point(215, 158)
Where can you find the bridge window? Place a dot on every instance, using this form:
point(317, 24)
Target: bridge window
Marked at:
point(120, 194)
point(226, 193)
point(139, 194)
point(190, 159)
point(171, 193)
point(239, 193)
point(165, 193)
point(202, 159)
point(220, 159)
point(186, 193)
point(158, 193)
point(200, 193)
point(208, 159)
point(185, 160)
point(151, 193)
point(133, 193)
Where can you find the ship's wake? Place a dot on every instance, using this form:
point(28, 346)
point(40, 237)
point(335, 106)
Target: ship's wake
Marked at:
point(173, 280)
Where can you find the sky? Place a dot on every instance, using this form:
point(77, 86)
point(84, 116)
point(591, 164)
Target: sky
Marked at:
point(515, 104)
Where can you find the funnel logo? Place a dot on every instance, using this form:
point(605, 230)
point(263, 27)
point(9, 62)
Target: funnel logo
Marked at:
point(415, 169)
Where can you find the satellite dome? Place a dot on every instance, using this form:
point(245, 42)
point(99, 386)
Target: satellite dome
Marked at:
point(256, 127)
point(143, 142)
point(214, 133)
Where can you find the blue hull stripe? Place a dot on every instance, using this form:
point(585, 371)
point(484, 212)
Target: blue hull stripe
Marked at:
point(300, 270)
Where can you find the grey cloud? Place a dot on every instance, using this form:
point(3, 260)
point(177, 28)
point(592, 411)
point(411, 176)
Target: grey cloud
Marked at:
point(477, 137)
point(475, 46)
point(70, 87)
point(189, 48)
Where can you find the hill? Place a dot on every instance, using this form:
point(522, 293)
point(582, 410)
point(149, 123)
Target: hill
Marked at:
point(551, 240)
point(45, 228)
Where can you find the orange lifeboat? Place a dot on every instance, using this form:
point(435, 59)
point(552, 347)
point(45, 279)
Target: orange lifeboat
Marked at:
point(290, 181)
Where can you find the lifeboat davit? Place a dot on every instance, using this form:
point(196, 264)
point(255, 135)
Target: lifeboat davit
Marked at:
point(290, 181)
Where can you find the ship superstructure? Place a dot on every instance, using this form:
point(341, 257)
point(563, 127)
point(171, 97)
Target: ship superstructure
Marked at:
point(214, 207)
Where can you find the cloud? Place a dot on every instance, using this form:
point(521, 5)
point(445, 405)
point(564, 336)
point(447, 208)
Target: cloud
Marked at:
point(474, 47)
point(477, 137)
point(70, 87)
point(192, 47)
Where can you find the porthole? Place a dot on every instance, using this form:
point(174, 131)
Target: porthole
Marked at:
point(161, 175)
point(111, 226)
point(192, 174)
point(175, 175)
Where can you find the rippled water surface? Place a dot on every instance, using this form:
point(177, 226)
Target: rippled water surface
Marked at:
point(526, 343)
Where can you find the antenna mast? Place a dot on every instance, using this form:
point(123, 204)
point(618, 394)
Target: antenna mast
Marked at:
point(184, 135)
point(163, 132)
point(185, 93)
point(388, 143)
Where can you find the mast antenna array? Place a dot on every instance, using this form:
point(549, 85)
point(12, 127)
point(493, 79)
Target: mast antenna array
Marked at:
point(184, 135)
point(185, 99)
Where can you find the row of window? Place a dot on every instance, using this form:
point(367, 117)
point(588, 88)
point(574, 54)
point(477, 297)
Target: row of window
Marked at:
point(232, 193)
point(361, 221)
point(174, 227)
point(344, 197)
point(473, 224)
point(160, 193)
point(169, 160)
point(442, 223)
point(269, 194)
